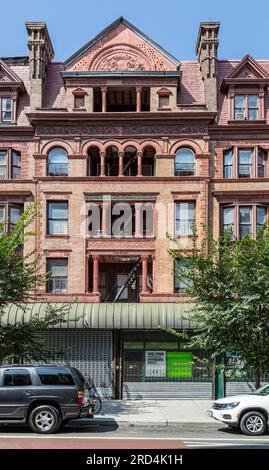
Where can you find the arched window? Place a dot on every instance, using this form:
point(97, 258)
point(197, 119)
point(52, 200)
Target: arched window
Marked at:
point(57, 162)
point(130, 161)
point(184, 162)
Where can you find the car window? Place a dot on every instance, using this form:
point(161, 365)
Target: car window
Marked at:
point(17, 378)
point(55, 376)
point(81, 377)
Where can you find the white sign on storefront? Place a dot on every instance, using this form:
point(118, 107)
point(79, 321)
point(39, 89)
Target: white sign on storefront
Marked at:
point(155, 363)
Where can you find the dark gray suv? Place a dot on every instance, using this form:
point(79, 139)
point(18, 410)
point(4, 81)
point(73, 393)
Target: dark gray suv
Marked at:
point(43, 396)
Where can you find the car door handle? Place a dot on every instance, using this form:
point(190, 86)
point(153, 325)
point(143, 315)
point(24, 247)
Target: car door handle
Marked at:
point(27, 393)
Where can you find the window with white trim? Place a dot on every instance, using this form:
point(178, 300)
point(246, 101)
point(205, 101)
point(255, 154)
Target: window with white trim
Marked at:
point(184, 162)
point(246, 107)
point(5, 109)
point(57, 269)
point(10, 164)
point(184, 218)
point(57, 212)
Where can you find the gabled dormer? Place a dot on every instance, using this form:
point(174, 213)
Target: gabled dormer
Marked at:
point(10, 87)
point(245, 88)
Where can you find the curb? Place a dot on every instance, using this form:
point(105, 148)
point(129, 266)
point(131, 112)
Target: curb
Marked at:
point(164, 423)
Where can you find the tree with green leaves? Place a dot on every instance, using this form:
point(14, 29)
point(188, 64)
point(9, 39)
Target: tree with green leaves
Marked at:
point(20, 276)
point(228, 283)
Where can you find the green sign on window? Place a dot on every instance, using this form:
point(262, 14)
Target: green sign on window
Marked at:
point(179, 364)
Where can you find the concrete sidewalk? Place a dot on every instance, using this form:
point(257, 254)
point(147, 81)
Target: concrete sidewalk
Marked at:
point(155, 412)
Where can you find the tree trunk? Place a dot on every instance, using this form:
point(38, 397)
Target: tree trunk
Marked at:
point(258, 378)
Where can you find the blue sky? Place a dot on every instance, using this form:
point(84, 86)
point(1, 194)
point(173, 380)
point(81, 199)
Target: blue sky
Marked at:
point(172, 23)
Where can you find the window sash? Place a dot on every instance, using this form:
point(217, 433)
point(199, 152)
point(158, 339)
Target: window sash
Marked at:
point(6, 109)
point(3, 164)
point(57, 218)
point(246, 107)
point(245, 157)
point(58, 269)
point(179, 283)
point(245, 224)
point(185, 218)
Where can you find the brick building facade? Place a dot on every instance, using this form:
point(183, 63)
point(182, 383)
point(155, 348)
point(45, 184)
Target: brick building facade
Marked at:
point(124, 126)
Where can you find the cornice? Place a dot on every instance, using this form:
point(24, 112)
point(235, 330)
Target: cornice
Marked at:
point(64, 117)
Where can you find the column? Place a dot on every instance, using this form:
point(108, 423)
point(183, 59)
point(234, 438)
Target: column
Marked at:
point(121, 155)
point(144, 274)
point(139, 163)
point(106, 230)
point(104, 92)
point(138, 98)
point(95, 274)
point(87, 274)
point(102, 169)
point(138, 220)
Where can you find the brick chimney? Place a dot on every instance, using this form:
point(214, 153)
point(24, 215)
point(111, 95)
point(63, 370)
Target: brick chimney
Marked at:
point(207, 54)
point(40, 55)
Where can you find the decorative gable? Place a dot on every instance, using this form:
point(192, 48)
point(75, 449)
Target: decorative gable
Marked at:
point(121, 47)
point(247, 73)
point(8, 78)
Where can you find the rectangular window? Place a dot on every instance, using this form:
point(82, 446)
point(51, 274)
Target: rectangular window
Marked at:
point(246, 107)
point(54, 376)
point(57, 218)
point(261, 164)
point(228, 220)
point(228, 164)
point(3, 164)
point(57, 268)
point(261, 213)
point(239, 107)
point(2, 214)
point(253, 108)
point(185, 217)
point(79, 102)
point(245, 225)
point(10, 164)
point(17, 378)
point(179, 282)
point(164, 102)
point(6, 110)
point(245, 163)
point(15, 165)
point(14, 213)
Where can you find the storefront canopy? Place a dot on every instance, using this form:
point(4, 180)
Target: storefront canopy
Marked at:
point(111, 315)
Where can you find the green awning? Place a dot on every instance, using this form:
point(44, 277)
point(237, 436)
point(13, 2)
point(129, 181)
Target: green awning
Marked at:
point(111, 315)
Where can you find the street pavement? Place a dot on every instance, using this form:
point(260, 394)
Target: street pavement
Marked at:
point(156, 412)
point(97, 436)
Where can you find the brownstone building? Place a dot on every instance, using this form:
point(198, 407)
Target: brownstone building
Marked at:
point(122, 144)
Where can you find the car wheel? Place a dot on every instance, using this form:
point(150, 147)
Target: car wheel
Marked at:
point(253, 423)
point(45, 419)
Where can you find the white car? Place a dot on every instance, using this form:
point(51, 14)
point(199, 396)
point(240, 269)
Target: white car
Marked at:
point(250, 412)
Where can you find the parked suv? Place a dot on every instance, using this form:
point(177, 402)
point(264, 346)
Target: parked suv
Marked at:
point(248, 412)
point(43, 396)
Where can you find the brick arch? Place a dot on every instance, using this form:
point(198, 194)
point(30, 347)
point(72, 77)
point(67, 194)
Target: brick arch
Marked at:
point(57, 144)
point(182, 143)
point(131, 143)
point(114, 143)
point(91, 143)
point(151, 143)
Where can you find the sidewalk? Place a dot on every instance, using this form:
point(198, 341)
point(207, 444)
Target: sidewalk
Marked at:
point(155, 412)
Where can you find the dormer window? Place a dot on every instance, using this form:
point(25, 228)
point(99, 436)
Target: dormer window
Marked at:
point(164, 99)
point(245, 88)
point(246, 107)
point(6, 109)
point(79, 99)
